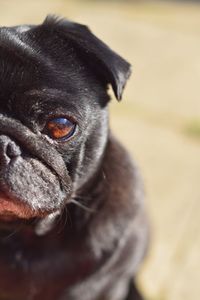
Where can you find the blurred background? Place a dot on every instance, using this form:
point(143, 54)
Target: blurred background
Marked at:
point(158, 120)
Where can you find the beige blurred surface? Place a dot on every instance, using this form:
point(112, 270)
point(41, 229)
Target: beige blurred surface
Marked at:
point(158, 121)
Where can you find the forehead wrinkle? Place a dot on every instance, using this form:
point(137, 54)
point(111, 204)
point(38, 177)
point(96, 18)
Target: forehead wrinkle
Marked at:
point(42, 92)
point(10, 41)
point(51, 95)
point(53, 92)
point(47, 93)
point(14, 40)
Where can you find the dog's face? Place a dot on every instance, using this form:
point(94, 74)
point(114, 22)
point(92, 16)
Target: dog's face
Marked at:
point(53, 116)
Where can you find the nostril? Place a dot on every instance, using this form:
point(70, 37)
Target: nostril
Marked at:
point(8, 150)
point(12, 150)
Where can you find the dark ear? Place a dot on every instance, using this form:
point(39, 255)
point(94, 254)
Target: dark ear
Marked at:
point(112, 68)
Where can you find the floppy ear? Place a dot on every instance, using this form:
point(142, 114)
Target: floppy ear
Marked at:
point(110, 66)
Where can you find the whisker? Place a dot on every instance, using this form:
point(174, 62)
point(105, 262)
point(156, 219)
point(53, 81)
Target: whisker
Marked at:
point(18, 229)
point(82, 197)
point(84, 207)
point(68, 217)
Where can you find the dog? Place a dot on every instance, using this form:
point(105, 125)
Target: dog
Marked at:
point(72, 216)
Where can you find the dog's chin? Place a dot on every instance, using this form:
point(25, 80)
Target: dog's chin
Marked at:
point(12, 210)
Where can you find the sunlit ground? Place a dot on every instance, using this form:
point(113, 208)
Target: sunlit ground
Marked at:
point(158, 121)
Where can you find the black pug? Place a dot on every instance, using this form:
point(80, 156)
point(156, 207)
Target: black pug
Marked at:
point(72, 219)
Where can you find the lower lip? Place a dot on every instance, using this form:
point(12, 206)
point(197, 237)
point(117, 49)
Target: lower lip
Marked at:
point(11, 209)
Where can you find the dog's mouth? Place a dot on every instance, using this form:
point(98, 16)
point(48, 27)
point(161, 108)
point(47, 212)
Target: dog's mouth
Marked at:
point(29, 189)
point(13, 209)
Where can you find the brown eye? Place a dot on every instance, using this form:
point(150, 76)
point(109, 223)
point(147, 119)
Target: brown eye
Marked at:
point(60, 128)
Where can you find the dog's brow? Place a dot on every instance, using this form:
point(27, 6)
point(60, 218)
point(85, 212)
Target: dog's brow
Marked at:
point(42, 92)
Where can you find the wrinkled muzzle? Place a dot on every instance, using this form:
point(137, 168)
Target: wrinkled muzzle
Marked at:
point(34, 180)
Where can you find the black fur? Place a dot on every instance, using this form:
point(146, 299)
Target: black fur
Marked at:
point(72, 219)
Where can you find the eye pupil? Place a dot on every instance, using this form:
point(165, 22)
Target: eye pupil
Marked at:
point(60, 128)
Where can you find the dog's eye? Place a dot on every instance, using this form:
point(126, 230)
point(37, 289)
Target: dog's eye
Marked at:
point(60, 128)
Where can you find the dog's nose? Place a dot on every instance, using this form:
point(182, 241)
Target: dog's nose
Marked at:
point(8, 149)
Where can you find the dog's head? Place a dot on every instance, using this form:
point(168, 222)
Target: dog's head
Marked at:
point(53, 116)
